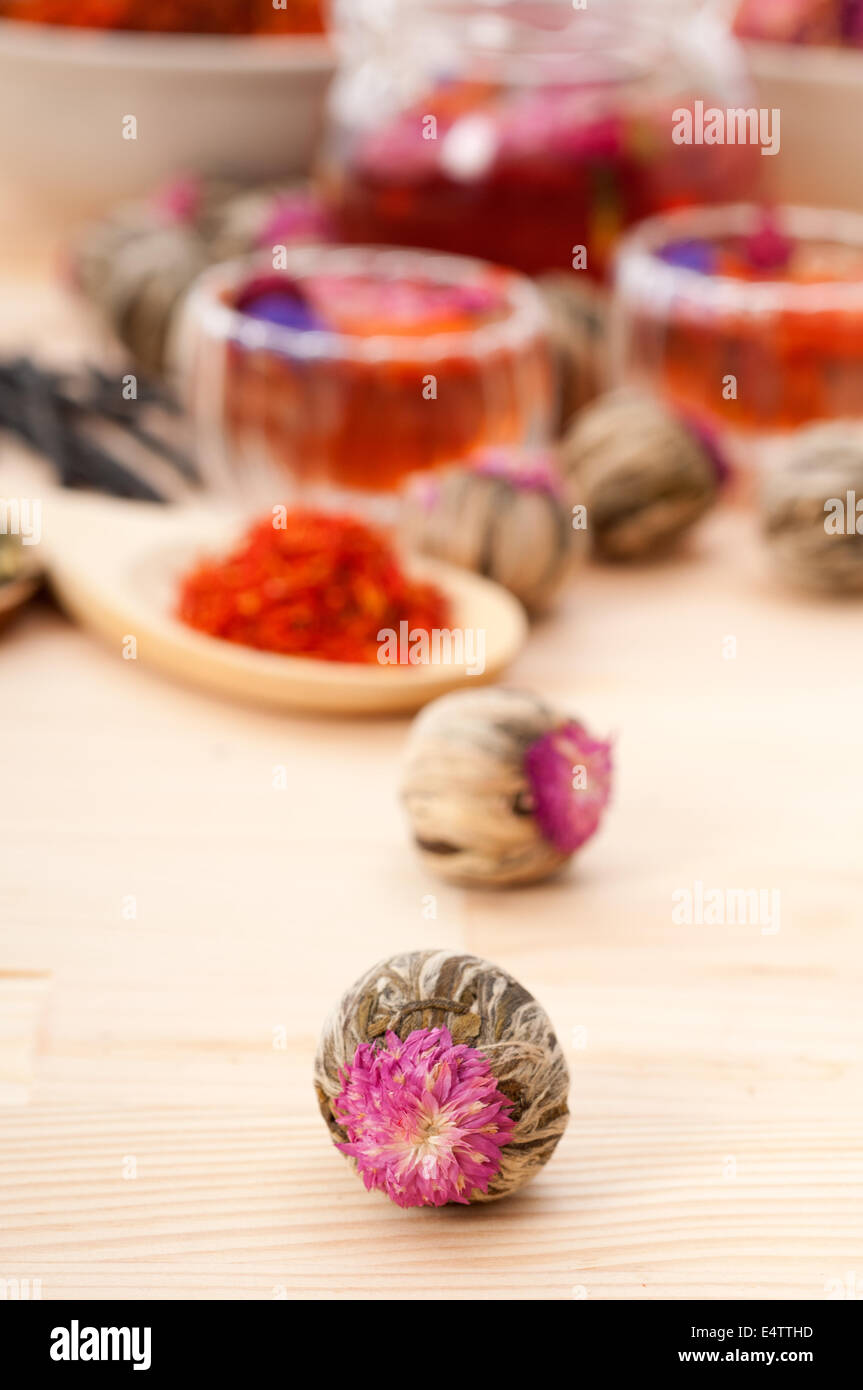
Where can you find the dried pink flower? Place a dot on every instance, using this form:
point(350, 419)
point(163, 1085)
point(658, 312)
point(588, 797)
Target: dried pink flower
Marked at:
point(527, 470)
point(569, 772)
point(295, 215)
point(768, 249)
point(424, 1118)
point(180, 199)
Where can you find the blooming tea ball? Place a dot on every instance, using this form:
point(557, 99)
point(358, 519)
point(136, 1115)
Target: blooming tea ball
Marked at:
point(136, 264)
point(644, 476)
point(502, 514)
point(500, 789)
point(442, 1079)
point(809, 508)
point(578, 314)
point(135, 268)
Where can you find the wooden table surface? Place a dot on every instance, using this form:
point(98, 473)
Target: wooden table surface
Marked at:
point(159, 1135)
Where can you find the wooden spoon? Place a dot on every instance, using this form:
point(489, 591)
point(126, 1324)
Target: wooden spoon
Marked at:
point(114, 566)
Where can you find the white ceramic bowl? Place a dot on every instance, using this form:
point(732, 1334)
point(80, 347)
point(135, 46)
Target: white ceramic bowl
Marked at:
point(249, 106)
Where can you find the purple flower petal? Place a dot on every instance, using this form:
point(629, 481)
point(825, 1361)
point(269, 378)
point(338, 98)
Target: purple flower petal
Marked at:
point(278, 300)
point(690, 255)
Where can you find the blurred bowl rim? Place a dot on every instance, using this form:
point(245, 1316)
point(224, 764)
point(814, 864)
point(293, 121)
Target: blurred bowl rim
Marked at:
point(204, 308)
point(641, 275)
point(51, 43)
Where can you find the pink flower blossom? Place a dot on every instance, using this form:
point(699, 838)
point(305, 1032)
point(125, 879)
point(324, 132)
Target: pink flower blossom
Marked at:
point(295, 216)
point(768, 249)
point(179, 201)
point(424, 1118)
point(530, 470)
point(569, 772)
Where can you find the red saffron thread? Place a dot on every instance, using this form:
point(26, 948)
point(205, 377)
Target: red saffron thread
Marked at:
point(321, 585)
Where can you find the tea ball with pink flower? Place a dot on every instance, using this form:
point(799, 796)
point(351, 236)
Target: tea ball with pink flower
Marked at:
point(644, 475)
point(440, 1078)
point(503, 513)
point(501, 789)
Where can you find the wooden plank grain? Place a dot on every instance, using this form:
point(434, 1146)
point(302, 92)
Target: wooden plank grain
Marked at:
point(167, 1142)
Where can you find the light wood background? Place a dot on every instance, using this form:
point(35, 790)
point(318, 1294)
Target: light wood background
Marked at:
point(715, 1148)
